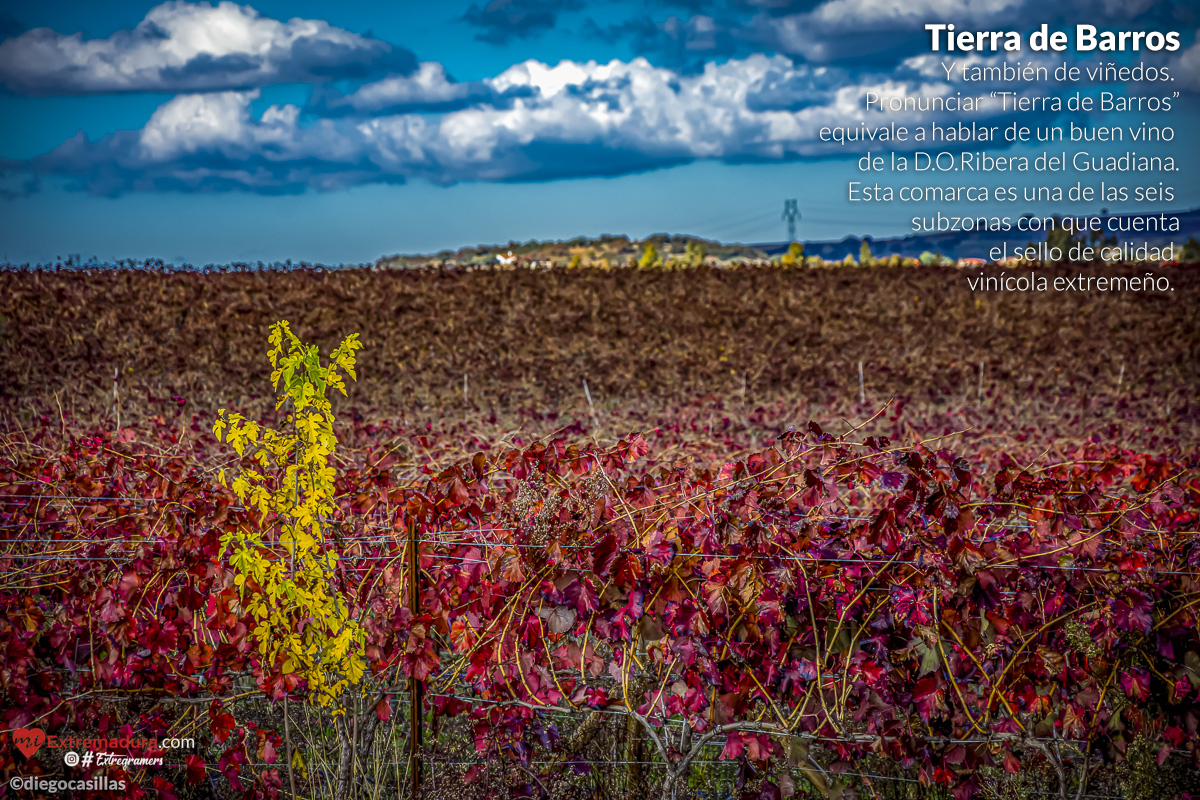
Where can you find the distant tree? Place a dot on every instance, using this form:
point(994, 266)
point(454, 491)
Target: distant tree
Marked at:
point(575, 260)
point(927, 258)
point(794, 255)
point(695, 253)
point(1190, 254)
point(1057, 238)
point(849, 261)
point(864, 254)
point(650, 257)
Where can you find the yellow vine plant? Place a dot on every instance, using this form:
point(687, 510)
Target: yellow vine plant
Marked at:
point(286, 580)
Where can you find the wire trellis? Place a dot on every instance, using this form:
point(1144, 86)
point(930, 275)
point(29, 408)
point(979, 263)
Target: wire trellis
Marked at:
point(429, 537)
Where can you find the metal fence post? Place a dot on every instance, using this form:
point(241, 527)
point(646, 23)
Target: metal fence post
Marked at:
point(415, 687)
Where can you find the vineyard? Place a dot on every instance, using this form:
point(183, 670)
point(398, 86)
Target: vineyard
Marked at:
point(753, 533)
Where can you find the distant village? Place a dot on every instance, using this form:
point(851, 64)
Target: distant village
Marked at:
point(668, 254)
point(658, 251)
point(962, 249)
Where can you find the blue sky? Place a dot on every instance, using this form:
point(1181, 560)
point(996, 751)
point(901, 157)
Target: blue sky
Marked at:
point(339, 132)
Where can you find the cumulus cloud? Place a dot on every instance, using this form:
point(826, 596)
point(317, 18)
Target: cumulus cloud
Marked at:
point(929, 66)
point(427, 89)
point(1185, 68)
point(210, 142)
point(182, 47)
point(857, 31)
point(570, 119)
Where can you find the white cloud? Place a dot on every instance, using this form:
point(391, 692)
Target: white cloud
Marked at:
point(847, 30)
point(191, 123)
point(930, 65)
point(563, 120)
point(1185, 68)
point(182, 46)
point(428, 85)
point(428, 88)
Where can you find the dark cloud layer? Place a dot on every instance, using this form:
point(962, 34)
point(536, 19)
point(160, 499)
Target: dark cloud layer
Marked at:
point(9, 25)
point(501, 21)
point(684, 44)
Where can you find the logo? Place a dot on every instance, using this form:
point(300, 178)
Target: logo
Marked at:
point(29, 740)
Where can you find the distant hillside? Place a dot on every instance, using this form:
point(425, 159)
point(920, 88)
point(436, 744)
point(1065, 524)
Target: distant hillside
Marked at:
point(618, 249)
point(622, 249)
point(975, 245)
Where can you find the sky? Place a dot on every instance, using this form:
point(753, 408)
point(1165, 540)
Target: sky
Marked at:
point(336, 133)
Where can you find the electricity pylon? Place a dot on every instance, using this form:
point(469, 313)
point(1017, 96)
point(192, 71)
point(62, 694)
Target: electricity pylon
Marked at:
point(791, 212)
